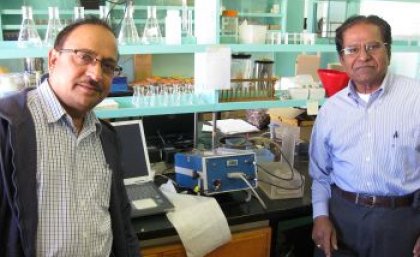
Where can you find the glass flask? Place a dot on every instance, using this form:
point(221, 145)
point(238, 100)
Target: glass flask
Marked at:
point(128, 32)
point(78, 13)
point(54, 26)
point(184, 17)
point(188, 37)
point(104, 13)
point(151, 32)
point(28, 35)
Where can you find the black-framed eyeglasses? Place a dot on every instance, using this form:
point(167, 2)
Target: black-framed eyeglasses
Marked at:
point(86, 57)
point(370, 48)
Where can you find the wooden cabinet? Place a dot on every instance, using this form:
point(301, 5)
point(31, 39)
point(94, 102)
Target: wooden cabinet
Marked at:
point(249, 243)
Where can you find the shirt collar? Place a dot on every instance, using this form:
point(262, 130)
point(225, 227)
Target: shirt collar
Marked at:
point(377, 93)
point(54, 111)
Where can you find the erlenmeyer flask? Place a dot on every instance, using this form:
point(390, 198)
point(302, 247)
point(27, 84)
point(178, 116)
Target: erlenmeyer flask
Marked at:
point(128, 32)
point(78, 13)
point(188, 35)
point(104, 13)
point(54, 26)
point(28, 35)
point(151, 32)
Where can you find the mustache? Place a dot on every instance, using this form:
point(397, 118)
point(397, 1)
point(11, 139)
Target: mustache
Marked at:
point(97, 86)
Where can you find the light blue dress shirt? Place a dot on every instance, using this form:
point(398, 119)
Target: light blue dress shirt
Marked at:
point(367, 147)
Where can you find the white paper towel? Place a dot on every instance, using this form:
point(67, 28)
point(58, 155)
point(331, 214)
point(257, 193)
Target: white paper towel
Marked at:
point(200, 223)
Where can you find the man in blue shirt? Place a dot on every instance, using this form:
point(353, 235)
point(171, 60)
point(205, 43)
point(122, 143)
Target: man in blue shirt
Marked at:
point(365, 152)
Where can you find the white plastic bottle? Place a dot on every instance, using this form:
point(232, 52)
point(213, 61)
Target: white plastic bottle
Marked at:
point(173, 27)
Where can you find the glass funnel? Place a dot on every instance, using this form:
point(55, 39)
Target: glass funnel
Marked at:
point(54, 26)
point(128, 31)
point(151, 32)
point(28, 35)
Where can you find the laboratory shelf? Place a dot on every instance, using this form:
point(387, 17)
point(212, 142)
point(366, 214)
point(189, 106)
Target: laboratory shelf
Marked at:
point(260, 15)
point(10, 50)
point(259, 105)
point(127, 109)
point(161, 49)
point(282, 48)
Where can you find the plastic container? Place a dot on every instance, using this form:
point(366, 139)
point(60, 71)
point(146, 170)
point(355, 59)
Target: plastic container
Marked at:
point(229, 26)
point(241, 67)
point(10, 83)
point(333, 80)
point(252, 34)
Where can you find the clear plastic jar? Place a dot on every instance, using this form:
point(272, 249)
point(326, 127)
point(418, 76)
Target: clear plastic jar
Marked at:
point(241, 67)
point(229, 26)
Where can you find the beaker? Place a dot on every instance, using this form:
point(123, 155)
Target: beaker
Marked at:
point(128, 32)
point(28, 35)
point(151, 32)
point(54, 26)
point(78, 13)
point(263, 72)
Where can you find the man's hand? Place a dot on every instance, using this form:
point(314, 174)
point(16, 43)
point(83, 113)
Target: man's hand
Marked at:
point(325, 238)
point(416, 250)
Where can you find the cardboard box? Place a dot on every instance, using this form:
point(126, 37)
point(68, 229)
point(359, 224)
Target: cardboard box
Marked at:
point(294, 117)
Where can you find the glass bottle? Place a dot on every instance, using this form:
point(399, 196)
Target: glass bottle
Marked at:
point(28, 35)
point(78, 13)
point(229, 26)
point(128, 32)
point(151, 32)
point(54, 26)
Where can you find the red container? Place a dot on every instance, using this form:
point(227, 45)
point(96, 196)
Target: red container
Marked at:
point(333, 80)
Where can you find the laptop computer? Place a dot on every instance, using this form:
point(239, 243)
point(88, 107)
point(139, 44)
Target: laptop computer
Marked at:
point(144, 196)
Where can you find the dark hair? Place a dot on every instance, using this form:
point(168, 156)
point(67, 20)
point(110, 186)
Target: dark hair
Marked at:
point(89, 20)
point(383, 26)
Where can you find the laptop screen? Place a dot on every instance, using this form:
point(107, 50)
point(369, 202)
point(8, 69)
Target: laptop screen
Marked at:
point(134, 156)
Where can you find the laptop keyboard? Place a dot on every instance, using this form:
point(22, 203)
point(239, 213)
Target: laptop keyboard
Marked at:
point(143, 191)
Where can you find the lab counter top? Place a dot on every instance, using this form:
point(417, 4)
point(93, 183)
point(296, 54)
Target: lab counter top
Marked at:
point(238, 211)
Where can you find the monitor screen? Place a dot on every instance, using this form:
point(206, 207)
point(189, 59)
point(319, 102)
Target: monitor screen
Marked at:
point(134, 155)
point(172, 129)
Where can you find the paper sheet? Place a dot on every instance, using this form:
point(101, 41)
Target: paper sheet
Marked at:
point(231, 126)
point(200, 223)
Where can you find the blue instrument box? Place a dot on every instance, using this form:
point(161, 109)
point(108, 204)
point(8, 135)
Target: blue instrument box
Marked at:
point(216, 171)
point(119, 84)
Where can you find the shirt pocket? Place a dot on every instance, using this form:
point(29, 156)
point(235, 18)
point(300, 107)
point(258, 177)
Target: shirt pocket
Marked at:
point(101, 188)
point(410, 151)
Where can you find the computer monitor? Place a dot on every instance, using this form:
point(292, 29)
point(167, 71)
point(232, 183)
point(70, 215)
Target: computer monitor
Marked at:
point(175, 130)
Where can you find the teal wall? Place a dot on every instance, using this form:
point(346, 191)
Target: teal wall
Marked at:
point(37, 4)
point(183, 64)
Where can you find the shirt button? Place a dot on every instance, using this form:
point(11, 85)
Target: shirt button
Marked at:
point(367, 158)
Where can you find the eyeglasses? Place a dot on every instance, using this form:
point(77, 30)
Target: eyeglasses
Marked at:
point(370, 48)
point(86, 57)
